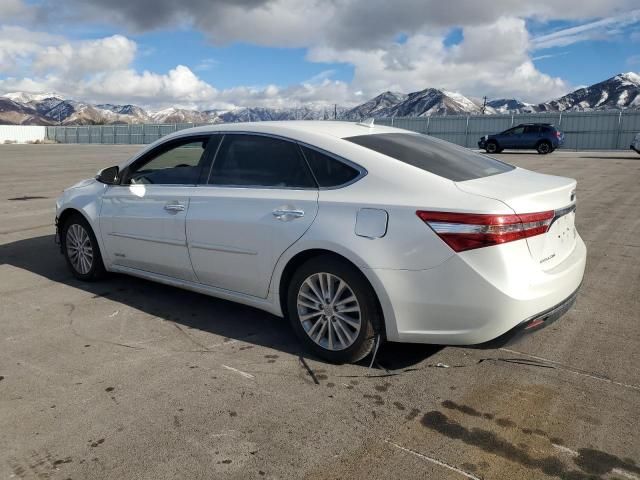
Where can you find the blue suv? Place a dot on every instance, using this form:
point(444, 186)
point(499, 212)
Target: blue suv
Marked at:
point(543, 137)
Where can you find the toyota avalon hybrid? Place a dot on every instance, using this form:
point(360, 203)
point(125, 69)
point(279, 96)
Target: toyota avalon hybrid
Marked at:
point(354, 232)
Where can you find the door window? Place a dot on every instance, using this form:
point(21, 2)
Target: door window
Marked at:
point(532, 129)
point(260, 161)
point(174, 163)
point(516, 131)
point(328, 171)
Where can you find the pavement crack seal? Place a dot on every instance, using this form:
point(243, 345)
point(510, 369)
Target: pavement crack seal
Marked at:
point(575, 371)
point(433, 460)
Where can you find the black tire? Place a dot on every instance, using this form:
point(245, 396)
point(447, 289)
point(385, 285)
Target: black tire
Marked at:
point(369, 316)
point(96, 269)
point(491, 146)
point(543, 148)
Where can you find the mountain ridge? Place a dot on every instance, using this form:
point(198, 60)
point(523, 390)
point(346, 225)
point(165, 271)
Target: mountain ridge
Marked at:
point(620, 92)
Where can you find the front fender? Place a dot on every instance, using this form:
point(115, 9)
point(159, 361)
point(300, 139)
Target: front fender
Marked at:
point(85, 198)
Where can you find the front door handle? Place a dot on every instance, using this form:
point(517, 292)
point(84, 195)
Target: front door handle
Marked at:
point(287, 214)
point(174, 207)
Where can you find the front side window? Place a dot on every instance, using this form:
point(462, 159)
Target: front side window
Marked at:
point(433, 155)
point(260, 161)
point(175, 163)
point(328, 171)
point(515, 131)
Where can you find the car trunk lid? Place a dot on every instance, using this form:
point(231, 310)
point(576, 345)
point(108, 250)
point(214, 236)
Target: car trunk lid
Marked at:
point(530, 192)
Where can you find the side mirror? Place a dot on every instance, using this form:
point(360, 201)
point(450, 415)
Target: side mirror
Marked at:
point(108, 176)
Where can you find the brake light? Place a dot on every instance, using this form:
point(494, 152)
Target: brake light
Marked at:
point(466, 231)
point(558, 133)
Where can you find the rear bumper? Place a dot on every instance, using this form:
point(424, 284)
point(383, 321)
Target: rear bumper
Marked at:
point(473, 299)
point(533, 324)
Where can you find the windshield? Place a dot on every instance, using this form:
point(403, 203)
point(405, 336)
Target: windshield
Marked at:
point(433, 155)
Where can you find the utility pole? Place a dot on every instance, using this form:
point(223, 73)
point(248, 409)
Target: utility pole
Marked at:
point(484, 105)
point(335, 111)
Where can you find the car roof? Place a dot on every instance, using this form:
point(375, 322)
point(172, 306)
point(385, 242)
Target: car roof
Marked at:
point(296, 128)
point(535, 123)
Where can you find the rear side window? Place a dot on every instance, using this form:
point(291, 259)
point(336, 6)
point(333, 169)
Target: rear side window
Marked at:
point(532, 129)
point(255, 160)
point(328, 171)
point(433, 155)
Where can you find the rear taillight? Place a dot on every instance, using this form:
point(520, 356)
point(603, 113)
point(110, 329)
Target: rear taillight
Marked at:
point(466, 231)
point(558, 133)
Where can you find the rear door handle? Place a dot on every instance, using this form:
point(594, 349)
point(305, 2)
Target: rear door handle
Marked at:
point(174, 207)
point(287, 214)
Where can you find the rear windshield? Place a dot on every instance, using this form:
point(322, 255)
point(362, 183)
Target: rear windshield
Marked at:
point(433, 155)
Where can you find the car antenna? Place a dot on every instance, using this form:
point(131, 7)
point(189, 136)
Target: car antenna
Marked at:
point(367, 123)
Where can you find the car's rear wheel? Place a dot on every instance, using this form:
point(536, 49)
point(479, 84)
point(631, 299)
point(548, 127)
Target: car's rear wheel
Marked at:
point(543, 148)
point(80, 249)
point(491, 147)
point(333, 309)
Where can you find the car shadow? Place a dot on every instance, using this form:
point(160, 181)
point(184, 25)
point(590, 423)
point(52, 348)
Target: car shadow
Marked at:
point(40, 255)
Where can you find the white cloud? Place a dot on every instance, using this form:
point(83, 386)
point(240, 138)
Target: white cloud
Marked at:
point(491, 60)
point(600, 29)
point(90, 56)
point(494, 58)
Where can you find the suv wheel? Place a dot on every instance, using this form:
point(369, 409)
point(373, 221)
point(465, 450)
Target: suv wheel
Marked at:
point(543, 148)
point(332, 309)
point(81, 250)
point(491, 147)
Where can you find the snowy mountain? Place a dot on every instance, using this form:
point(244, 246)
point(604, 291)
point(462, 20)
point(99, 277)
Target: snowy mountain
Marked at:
point(430, 101)
point(132, 111)
point(379, 106)
point(509, 105)
point(24, 97)
point(181, 115)
point(258, 114)
point(14, 113)
point(619, 92)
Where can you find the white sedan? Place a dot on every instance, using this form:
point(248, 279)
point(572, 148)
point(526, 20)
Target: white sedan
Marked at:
point(354, 232)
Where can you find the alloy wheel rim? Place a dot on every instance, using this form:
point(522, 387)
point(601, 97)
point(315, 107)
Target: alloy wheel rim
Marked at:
point(329, 311)
point(79, 248)
point(544, 148)
point(491, 148)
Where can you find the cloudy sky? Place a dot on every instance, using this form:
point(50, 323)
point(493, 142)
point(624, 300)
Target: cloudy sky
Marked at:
point(228, 53)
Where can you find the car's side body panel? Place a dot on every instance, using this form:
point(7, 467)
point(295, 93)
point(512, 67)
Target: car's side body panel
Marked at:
point(236, 235)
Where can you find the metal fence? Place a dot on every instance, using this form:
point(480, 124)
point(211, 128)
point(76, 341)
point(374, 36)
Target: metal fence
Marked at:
point(130, 134)
point(607, 130)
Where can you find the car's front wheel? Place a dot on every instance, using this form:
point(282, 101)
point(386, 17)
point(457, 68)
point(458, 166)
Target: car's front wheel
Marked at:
point(333, 310)
point(492, 147)
point(80, 249)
